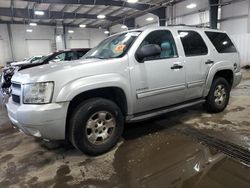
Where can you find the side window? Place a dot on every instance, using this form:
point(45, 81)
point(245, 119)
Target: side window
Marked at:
point(165, 40)
point(221, 42)
point(59, 57)
point(193, 43)
point(80, 54)
point(69, 56)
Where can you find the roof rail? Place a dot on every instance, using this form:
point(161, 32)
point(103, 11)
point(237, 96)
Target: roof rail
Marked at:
point(197, 26)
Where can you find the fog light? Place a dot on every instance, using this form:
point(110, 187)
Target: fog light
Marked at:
point(35, 132)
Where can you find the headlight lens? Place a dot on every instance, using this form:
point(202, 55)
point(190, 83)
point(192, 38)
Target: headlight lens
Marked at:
point(38, 93)
point(237, 67)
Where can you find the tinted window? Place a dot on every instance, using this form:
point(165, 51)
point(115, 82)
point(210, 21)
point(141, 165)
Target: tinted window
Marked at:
point(165, 40)
point(193, 43)
point(80, 54)
point(221, 42)
point(69, 56)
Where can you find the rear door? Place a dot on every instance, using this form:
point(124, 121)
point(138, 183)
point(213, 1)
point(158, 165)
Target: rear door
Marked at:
point(198, 60)
point(225, 49)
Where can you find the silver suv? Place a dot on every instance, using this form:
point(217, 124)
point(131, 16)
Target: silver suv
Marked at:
point(129, 77)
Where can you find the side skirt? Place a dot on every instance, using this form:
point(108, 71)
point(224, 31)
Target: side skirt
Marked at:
point(154, 113)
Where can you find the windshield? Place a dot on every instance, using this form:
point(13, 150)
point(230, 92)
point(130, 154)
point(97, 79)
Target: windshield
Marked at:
point(44, 58)
point(28, 59)
point(113, 47)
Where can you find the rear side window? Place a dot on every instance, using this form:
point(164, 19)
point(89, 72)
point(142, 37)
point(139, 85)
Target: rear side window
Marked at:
point(221, 42)
point(193, 43)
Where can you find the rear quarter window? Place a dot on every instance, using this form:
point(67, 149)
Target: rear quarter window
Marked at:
point(221, 42)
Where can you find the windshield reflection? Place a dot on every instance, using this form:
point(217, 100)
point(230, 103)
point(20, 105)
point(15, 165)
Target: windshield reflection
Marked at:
point(113, 47)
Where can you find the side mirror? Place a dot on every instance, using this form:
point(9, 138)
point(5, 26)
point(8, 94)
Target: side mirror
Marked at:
point(148, 50)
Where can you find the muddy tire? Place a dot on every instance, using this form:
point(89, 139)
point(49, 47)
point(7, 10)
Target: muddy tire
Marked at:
point(96, 126)
point(218, 97)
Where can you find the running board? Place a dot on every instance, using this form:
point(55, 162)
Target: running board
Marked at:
point(150, 114)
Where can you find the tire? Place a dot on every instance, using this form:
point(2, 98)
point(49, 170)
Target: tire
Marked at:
point(218, 97)
point(96, 126)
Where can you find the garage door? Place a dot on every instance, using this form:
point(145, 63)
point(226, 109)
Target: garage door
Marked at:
point(79, 43)
point(2, 50)
point(38, 47)
point(242, 42)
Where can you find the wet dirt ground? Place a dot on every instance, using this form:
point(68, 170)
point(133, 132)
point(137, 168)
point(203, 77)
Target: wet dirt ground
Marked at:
point(155, 153)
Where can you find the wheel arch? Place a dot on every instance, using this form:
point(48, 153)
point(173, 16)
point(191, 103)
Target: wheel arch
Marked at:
point(226, 72)
point(115, 94)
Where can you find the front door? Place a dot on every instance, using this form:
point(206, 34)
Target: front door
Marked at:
point(159, 81)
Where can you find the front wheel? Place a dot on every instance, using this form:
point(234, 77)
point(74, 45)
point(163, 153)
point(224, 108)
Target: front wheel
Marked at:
point(218, 97)
point(96, 126)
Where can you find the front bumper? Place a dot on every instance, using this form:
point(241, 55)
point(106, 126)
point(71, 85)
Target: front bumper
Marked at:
point(237, 79)
point(47, 121)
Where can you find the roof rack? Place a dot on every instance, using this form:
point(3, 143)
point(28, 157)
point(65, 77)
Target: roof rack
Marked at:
point(197, 26)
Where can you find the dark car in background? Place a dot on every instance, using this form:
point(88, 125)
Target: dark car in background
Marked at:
point(63, 55)
point(26, 61)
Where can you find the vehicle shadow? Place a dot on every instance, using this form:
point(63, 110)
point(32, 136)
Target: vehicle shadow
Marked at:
point(164, 122)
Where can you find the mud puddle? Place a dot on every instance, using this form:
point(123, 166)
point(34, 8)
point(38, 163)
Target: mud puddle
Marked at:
point(232, 125)
point(170, 159)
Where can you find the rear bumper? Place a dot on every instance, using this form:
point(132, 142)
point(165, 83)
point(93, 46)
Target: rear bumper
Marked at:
point(237, 79)
point(46, 121)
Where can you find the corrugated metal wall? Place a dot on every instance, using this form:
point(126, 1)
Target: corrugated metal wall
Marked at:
point(242, 42)
point(235, 23)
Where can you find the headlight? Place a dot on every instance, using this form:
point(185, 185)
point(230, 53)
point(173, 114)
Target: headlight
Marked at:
point(38, 93)
point(237, 67)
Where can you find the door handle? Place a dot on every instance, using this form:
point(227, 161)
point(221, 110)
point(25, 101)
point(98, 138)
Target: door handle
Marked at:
point(176, 66)
point(209, 62)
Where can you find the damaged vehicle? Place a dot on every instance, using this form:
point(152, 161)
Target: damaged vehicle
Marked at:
point(64, 55)
point(30, 60)
point(129, 77)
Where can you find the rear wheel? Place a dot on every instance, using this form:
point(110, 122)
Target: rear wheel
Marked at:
point(96, 126)
point(218, 97)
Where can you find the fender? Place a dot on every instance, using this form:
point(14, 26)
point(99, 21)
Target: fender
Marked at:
point(78, 86)
point(219, 66)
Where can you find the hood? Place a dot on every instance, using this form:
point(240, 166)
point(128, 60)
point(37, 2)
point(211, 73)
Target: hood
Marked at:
point(50, 72)
point(29, 65)
point(71, 74)
point(19, 63)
